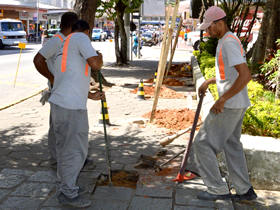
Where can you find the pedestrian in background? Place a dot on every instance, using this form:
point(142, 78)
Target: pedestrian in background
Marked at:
point(221, 130)
point(74, 62)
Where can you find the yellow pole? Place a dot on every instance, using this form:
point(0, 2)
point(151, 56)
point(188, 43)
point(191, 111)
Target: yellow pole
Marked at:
point(21, 46)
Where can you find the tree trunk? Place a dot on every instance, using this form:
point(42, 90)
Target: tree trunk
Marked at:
point(121, 51)
point(86, 10)
point(273, 25)
point(277, 94)
point(259, 51)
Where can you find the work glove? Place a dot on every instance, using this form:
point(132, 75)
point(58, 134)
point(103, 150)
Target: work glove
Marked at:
point(45, 96)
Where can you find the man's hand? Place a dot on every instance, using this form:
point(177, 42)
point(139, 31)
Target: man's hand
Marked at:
point(96, 95)
point(95, 62)
point(218, 107)
point(202, 89)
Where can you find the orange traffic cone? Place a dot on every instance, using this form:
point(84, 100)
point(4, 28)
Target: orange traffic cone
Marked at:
point(187, 176)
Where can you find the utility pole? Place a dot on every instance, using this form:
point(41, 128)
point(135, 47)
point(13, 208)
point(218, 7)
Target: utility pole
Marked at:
point(127, 31)
point(37, 22)
point(139, 27)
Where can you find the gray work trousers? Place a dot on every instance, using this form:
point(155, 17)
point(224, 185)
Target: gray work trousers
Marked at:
point(71, 134)
point(220, 132)
point(52, 141)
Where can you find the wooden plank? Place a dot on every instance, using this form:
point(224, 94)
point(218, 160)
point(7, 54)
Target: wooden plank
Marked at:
point(174, 46)
point(163, 60)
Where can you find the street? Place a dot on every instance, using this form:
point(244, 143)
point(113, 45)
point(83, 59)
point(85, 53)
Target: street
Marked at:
point(30, 82)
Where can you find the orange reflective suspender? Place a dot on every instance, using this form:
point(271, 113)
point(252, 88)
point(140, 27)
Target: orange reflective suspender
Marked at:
point(64, 56)
point(220, 58)
point(64, 53)
point(59, 36)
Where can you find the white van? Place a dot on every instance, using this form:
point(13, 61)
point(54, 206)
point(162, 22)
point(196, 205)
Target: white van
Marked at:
point(11, 32)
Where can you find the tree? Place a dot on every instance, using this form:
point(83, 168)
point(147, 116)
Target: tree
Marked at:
point(269, 32)
point(115, 10)
point(86, 10)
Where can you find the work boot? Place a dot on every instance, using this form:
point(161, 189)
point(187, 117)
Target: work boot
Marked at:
point(212, 197)
point(77, 202)
point(249, 195)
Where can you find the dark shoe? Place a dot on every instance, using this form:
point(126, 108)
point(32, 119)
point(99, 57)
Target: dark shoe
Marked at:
point(77, 202)
point(212, 197)
point(249, 195)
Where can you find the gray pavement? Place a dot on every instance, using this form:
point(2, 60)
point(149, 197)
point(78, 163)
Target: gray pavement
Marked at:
point(28, 182)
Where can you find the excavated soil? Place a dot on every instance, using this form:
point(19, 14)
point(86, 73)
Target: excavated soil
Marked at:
point(164, 92)
point(122, 178)
point(180, 70)
point(173, 119)
point(168, 81)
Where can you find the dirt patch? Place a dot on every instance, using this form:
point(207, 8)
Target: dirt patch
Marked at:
point(120, 178)
point(168, 81)
point(164, 92)
point(180, 70)
point(173, 119)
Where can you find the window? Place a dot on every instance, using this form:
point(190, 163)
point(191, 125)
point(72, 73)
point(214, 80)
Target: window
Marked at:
point(12, 26)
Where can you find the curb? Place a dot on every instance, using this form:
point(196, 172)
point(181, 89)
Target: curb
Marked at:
point(21, 100)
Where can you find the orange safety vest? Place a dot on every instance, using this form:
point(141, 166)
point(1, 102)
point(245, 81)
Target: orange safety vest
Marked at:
point(59, 36)
point(65, 53)
point(220, 58)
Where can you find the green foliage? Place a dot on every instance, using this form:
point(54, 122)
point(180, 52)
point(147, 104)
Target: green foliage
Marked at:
point(270, 69)
point(109, 7)
point(263, 117)
point(209, 46)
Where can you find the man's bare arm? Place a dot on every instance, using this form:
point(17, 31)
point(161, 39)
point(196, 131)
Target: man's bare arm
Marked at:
point(95, 62)
point(42, 67)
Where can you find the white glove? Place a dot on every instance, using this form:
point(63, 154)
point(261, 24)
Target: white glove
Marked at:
point(45, 96)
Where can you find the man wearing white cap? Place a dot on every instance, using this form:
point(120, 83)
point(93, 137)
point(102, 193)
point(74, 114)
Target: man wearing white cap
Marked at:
point(221, 130)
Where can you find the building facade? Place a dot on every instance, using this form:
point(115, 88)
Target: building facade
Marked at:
point(35, 14)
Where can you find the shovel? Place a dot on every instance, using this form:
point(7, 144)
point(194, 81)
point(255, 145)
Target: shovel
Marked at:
point(187, 150)
point(105, 133)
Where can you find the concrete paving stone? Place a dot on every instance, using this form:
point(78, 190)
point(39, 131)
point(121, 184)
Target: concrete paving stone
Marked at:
point(182, 196)
point(34, 189)
point(51, 208)
point(4, 192)
point(154, 191)
point(43, 176)
point(140, 203)
point(191, 208)
point(113, 193)
point(10, 181)
point(12, 171)
point(105, 205)
point(224, 204)
point(21, 203)
point(200, 203)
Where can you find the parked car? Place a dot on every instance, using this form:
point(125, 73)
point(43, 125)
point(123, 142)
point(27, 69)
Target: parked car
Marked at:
point(11, 32)
point(47, 34)
point(194, 38)
point(98, 34)
point(149, 39)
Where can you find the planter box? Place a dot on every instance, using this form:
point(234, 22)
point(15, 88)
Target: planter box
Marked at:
point(262, 153)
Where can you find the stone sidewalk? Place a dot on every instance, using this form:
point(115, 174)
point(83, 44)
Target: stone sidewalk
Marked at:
point(28, 182)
